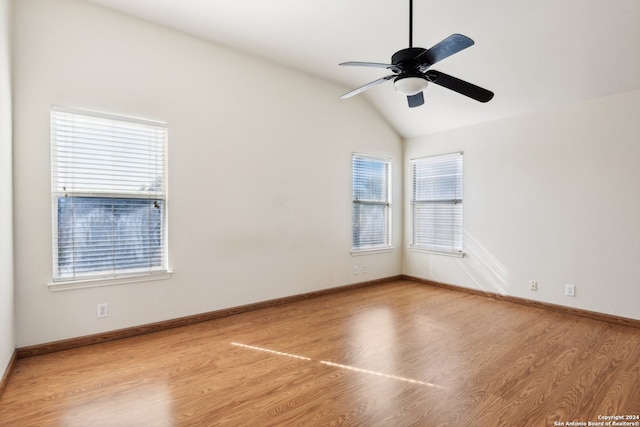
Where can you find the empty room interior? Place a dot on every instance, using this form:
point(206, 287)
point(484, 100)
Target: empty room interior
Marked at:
point(285, 213)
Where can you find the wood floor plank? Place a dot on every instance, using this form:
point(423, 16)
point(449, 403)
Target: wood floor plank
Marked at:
point(394, 354)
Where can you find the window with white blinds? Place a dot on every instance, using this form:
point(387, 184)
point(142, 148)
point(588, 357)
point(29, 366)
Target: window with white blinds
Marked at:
point(436, 203)
point(371, 203)
point(108, 195)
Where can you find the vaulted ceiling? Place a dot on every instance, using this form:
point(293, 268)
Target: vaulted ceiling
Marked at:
point(534, 55)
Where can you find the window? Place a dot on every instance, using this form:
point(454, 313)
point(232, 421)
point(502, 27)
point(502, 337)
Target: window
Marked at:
point(108, 195)
point(436, 203)
point(371, 203)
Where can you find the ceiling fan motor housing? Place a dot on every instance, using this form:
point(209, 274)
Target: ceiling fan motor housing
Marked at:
point(406, 58)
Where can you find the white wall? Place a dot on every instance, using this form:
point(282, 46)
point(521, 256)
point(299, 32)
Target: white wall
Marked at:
point(259, 168)
point(7, 336)
point(552, 197)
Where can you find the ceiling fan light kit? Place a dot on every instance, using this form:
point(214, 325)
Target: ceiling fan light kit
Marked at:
point(412, 71)
point(410, 85)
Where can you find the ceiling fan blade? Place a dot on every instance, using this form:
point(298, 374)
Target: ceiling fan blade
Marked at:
point(415, 100)
point(447, 47)
point(367, 64)
point(367, 86)
point(460, 86)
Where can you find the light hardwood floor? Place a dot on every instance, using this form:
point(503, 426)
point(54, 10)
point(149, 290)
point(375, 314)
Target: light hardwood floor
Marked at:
point(397, 354)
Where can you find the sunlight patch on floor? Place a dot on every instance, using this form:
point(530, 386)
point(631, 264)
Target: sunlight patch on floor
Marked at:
point(266, 350)
point(338, 365)
point(380, 374)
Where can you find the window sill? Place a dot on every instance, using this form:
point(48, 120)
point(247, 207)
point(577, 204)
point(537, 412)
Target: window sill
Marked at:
point(435, 252)
point(94, 283)
point(359, 252)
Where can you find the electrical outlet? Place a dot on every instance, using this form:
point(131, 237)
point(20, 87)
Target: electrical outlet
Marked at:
point(102, 310)
point(364, 269)
point(570, 290)
point(533, 286)
point(355, 269)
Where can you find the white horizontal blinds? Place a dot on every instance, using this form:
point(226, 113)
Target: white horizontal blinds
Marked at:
point(437, 202)
point(96, 154)
point(109, 194)
point(371, 202)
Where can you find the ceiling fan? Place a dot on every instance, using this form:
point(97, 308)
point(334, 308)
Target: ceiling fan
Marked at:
point(412, 71)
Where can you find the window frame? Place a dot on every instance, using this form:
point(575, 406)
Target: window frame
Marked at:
point(457, 200)
point(387, 203)
point(104, 277)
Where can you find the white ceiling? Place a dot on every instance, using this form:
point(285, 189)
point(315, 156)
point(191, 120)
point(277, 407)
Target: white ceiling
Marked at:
point(534, 55)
